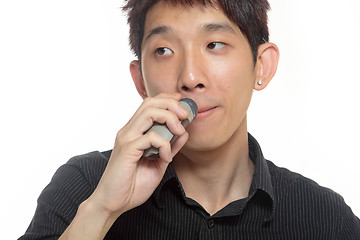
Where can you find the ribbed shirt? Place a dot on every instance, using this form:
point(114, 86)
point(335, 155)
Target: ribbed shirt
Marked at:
point(281, 205)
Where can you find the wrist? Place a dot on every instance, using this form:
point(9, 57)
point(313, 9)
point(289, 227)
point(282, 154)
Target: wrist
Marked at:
point(90, 222)
point(96, 213)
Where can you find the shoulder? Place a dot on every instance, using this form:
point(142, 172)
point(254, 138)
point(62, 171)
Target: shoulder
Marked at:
point(301, 199)
point(76, 179)
point(71, 184)
point(90, 165)
point(287, 183)
point(90, 159)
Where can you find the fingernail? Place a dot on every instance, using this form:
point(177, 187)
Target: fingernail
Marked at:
point(183, 111)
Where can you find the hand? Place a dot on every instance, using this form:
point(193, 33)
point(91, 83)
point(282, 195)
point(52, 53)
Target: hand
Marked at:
point(129, 179)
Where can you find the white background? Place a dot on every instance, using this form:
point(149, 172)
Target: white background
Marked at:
point(66, 89)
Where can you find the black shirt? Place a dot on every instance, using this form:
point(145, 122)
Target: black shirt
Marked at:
point(281, 205)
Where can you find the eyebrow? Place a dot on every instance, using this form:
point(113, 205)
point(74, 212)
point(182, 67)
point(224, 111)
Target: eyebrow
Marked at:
point(157, 31)
point(213, 27)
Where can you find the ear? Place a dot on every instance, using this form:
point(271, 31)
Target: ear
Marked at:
point(137, 78)
point(266, 65)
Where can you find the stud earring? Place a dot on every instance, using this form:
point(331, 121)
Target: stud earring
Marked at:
point(259, 82)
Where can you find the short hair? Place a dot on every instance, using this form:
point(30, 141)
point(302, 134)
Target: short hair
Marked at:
point(249, 15)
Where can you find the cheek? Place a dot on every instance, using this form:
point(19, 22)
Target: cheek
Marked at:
point(236, 88)
point(234, 80)
point(157, 80)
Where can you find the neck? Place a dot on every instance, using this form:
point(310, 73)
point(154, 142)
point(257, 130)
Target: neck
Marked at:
point(223, 174)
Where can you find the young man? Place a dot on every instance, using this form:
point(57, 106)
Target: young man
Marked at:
point(213, 182)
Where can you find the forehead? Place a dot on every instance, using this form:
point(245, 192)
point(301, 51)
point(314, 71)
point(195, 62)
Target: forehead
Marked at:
point(185, 16)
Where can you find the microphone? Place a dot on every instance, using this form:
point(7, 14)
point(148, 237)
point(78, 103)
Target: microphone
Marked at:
point(163, 131)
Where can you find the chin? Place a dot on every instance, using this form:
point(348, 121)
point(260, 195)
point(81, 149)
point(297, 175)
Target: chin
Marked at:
point(203, 143)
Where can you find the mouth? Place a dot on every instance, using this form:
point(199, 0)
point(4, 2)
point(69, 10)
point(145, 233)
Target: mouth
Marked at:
point(205, 112)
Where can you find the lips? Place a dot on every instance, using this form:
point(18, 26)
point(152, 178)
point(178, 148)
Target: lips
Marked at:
point(205, 112)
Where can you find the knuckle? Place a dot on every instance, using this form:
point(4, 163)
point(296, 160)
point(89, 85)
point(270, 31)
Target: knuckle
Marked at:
point(147, 101)
point(119, 135)
point(148, 111)
point(167, 145)
point(119, 140)
point(172, 118)
point(152, 135)
point(122, 137)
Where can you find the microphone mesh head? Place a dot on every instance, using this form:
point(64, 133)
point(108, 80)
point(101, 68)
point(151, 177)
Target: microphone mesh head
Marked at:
point(192, 104)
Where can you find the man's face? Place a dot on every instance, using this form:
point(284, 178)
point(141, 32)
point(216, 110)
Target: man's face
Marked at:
point(198, 52)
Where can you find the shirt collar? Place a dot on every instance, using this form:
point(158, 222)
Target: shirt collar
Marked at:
point(261, 179)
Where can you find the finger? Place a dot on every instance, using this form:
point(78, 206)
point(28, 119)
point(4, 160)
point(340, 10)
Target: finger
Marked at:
point(135, 148)
point(175, 95)
point(162, 117)
point(179, 143)
point(163, 146)
point(159, 110)
point(147, 114)
point(171, 104)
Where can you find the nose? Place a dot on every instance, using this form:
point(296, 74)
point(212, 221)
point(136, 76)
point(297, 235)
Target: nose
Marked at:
point(191, 77)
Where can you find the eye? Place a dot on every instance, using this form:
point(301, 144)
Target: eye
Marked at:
point(163, 51)
point(215, 45)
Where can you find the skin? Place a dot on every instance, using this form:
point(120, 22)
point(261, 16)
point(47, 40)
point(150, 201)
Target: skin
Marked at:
point(209, 60)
